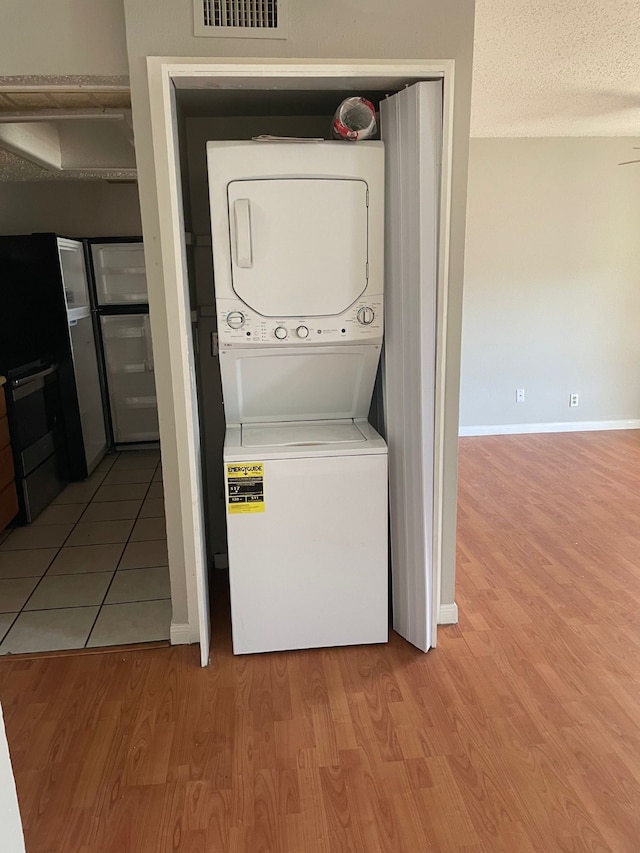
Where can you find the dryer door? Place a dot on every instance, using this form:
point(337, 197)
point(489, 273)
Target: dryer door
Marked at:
point(298, 246)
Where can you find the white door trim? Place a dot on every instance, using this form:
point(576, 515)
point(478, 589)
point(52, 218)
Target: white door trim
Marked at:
point(163, 74)
point(178, 318)
point(442, 310)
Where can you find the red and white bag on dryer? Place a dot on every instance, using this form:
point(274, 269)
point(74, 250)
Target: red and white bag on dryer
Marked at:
point(354, 119)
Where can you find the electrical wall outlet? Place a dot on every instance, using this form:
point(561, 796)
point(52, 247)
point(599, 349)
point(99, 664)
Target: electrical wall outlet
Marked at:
point(519, 395)
point(574, 399)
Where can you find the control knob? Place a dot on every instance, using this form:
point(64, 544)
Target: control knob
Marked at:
point(366, 316)
point(302, 332)
point(235, 319)
point(280, 333)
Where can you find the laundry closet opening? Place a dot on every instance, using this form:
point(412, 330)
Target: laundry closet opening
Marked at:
point(207, 114)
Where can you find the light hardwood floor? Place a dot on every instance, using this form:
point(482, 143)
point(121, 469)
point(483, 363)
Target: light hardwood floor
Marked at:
point(520, 732)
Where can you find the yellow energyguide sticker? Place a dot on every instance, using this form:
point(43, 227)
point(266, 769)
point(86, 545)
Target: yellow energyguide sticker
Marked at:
point(245, 487)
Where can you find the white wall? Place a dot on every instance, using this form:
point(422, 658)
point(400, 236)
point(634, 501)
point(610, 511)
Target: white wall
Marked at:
point(366, 29)
point(10, 823)
point(62, 37)
point(70, 208)
point(552, 282)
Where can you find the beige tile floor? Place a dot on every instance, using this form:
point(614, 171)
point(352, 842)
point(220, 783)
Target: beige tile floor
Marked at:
point(92, 569)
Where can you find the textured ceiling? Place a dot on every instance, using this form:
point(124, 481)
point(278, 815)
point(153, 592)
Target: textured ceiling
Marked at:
point(48, 95)
point(556, 68)
point(14, 168)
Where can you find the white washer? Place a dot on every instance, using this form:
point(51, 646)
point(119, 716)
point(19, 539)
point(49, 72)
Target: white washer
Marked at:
point(297, 237)
point(310, 568)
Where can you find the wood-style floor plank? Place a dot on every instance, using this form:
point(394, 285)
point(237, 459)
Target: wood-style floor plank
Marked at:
point(520, 733)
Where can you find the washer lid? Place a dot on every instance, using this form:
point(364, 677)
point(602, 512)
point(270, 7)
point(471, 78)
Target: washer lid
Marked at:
point(235, 451)
point(301, 434)
point(314, 383)
point(299, 246)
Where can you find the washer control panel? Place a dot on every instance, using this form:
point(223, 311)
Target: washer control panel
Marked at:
point(238, 324)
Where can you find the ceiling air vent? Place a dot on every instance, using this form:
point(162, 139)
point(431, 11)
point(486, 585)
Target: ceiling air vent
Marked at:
point(240, 18)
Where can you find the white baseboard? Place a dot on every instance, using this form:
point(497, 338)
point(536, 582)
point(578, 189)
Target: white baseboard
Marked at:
point(220, 561)
point(560, 426)
point(182, 634)
point(448, 614)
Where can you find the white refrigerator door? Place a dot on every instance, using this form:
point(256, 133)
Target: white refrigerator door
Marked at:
point(85, 364)
point(298, 247)
point(119, 273)
point(74, 274)
point(412, 132)
point(128, 353)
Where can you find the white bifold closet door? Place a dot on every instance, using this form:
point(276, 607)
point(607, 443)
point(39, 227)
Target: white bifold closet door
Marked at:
point(411, 124)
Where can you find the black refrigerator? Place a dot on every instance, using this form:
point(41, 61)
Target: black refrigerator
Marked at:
point(120, 302)
point(48, 353)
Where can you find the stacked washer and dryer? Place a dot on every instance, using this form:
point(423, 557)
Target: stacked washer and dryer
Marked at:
point(297, 236)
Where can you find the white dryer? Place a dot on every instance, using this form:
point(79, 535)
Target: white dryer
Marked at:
point(297, 235)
